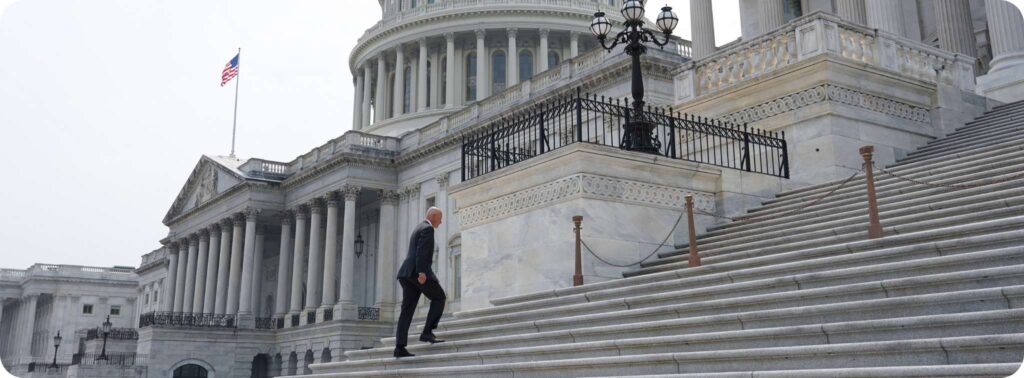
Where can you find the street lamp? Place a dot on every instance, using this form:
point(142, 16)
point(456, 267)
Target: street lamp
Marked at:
point(56, 346)
point(106, 332)
point(359, 245)
point(638, 135)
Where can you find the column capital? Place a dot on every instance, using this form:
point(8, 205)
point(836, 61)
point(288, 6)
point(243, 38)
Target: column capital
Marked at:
point(351, 192)
point(388, 197)
point(213, 228)
point(544, 32)
point(238, 219)
point(331, 198)
point(512, 32)
point(442, 181)
point(574, 35)
point(301, 212)
point(449, 37)
point(422, 41)
point(316, 206)
point(287, 217)
point(414, 191)
point(251, 213)
point(480, 33)
point(204, 234)
point(226, 223)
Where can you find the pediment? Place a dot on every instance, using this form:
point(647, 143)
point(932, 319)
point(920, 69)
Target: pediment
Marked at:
point(208, 180)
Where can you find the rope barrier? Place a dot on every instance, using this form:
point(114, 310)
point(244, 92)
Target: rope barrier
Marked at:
point(794, 211)
point(587, 247)
point(948, 186)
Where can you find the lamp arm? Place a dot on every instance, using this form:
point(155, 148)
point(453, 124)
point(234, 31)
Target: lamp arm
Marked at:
point(650, 36)
point(619, 38)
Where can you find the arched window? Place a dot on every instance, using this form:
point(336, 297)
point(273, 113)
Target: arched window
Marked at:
point(471, 77)
point(407, 89)
point(443, 83)
point(525, 65)
point(498, 71)
point(260, 366)
point(308, 361)
point(553, 59)
point(190, 371)
point(293, 363)
point(278, 366)
point(325, 355)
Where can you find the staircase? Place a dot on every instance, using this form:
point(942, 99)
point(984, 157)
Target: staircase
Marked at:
point(784, 294)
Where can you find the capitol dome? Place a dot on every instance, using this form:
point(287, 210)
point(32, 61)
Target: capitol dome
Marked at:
point(423, 36)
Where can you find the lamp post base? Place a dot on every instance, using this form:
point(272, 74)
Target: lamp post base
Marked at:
point(638, 136)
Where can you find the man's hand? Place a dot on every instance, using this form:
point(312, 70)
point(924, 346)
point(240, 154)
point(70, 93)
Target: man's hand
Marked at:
point(422, 279)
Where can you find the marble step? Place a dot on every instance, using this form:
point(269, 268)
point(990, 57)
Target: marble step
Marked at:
point(765, 266)
point(904, 165)
point(996, 115)
point(1002, 127)
point(959, 371)
point(858, 231)
point(885, 182)
point(816, 277)
point(977, 252)
point(890, 193)
point(892, 329)
point(923, 236)
point(979, 202)
point(924, 352)
point(945, 153)
point(854, 208)
point(668, 306)
point(988, 138)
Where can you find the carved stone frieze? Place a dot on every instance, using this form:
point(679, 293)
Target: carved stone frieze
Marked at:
point(834, 93)
point(581, 186)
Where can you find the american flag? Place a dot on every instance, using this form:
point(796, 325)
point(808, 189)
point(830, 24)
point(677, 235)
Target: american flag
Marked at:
point(230, 70)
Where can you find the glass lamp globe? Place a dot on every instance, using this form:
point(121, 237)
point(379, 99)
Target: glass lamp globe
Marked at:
point(600, 26)
point(633, 10)
point(667, 20)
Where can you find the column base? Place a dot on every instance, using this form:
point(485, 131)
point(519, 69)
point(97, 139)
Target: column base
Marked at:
point(1005, 84)
point(246, 321)
point(387, 311)
point(326, 313)
point(288, 319)
point(308, 316)
point(346, 311)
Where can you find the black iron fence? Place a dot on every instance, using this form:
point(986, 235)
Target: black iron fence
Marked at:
point(115, 334)
point(116, 358)
point(562, 121)
point(185, 319)
point(368, 313)
point(266, 323)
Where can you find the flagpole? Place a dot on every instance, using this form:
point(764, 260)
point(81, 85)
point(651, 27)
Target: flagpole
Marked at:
point(234, 122)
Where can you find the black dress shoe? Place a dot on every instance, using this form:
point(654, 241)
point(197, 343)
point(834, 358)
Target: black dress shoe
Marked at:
point(401, 352)
point(430, 338)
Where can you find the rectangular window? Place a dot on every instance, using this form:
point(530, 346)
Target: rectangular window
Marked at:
point(147, 299)
point(87, 309)
point(115, 310)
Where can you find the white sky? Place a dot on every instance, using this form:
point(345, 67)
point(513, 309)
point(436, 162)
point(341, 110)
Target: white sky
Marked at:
point(106, 106)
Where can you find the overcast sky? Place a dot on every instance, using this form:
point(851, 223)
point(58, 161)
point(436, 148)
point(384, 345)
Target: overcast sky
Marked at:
point(106, 106)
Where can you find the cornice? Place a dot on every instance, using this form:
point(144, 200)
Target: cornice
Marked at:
point(253, 187)
point(335, 161)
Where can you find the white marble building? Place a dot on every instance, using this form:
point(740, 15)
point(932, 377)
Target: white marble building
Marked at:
point(270, 267)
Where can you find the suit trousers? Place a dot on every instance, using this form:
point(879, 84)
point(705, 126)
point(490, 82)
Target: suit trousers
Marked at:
point(411, 291)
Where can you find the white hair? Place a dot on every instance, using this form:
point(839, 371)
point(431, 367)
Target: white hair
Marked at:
point(433, 210)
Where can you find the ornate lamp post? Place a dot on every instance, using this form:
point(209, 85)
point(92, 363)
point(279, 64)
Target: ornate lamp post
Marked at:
point(638, 135)
point(56, 346)
point(106, 332)
point(360, 244)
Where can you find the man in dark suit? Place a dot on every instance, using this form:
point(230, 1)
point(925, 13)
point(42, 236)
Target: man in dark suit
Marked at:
point(417, 277)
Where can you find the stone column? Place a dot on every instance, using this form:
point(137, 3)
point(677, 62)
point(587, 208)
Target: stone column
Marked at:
point(379, 103)
point(885, 15)
point(481, 65)
point(1006, 29)
point(852, 10)
point(298, 261)
point(257, 270)
point(399, 90)
point(512, 59)
point(27, 326)
point(386, 255)
point(954, 27)
point(223, 267)
point(284, 265)
point(330, 254)
point(199, 299)
point(167, 302)
point(190, 274)
point(179, 281)
point(574, 44)
point(346, 304)
point(441, 236)
point(316, 250)
point(772, 15)
point(421, 87)
point(357, 102)
point(235, 275)
point(210, 295)
point(543, 50)
point(248, 263)
point(367, 79)
point(702, 27)
point(449, 78)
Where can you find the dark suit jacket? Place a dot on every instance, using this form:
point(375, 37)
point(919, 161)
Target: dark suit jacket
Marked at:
point(421, 253)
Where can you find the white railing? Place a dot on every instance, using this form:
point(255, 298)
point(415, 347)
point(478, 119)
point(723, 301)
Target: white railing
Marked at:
point(815, 35)
point(11, 274)
point(154, 257)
